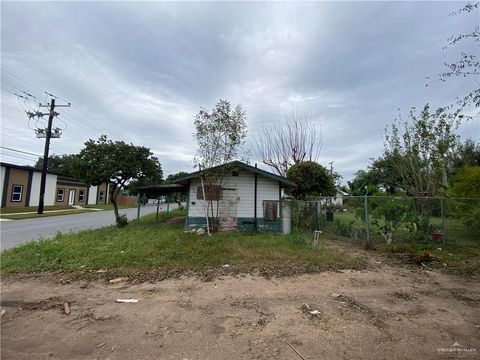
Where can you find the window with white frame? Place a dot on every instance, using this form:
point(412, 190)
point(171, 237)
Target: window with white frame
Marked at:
point(81, 195)
point(17, 191)
point(60, 195)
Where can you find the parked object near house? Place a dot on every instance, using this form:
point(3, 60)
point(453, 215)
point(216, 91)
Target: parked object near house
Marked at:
point(247, 198)
point(20, 187)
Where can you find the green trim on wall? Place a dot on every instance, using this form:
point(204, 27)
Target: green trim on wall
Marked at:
point(243, 224)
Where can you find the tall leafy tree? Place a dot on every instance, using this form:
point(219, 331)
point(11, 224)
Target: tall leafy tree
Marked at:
point(63, 164)
point(364, 183)
point(423, 146)
point(116, 163)
point(467, 154)
point(219, 134)
point(312, 179)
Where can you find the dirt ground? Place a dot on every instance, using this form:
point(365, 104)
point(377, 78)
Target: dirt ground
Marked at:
point(385, 312)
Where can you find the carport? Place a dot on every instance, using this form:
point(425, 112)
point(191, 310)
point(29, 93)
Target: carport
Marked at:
point(157, 191)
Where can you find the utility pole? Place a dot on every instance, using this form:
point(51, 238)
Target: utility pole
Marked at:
point(331, 167)
point(41, 200)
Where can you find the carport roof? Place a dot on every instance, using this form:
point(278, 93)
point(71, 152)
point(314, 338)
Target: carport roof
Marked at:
point(164, 189)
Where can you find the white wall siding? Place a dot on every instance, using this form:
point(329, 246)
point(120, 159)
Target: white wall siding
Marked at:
point(267, 189)
point(50, 189)
point(2, 181)
point(35, 189)
point(92, 195)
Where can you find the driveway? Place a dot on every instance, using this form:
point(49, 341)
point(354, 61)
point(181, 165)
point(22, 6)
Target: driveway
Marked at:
point(20, 231)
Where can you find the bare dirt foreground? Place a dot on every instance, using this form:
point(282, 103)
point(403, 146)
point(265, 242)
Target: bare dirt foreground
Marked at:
point(386, 313)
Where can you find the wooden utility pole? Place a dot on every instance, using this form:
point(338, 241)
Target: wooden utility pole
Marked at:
point(41, 200)
point(43, 181)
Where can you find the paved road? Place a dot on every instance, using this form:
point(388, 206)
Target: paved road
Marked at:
point(19, 231)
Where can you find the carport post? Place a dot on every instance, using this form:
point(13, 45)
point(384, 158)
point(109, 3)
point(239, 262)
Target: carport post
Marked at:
point(158, 205)
point(168, 204)
point(138, 207)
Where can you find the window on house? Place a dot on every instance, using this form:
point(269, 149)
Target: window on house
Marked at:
point(81, 195)
point(234, 173)
point(101, 196)
point(270, 209)
point(212, 192)
point(17, 191)
point(60, 195)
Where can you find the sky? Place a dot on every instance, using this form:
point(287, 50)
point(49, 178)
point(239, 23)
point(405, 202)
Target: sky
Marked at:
point(140, 71)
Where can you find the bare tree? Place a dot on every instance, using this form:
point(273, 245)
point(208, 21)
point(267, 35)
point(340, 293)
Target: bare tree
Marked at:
point(290, 142)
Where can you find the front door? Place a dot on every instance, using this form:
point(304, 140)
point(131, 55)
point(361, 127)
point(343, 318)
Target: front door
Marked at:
point(71, 197)
point(227, 217)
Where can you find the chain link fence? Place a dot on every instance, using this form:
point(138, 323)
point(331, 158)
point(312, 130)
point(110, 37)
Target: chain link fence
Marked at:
point(390, 219)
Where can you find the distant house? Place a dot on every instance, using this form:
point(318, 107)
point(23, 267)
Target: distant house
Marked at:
point(339, 197)
point(248, 197)
point(20, 187)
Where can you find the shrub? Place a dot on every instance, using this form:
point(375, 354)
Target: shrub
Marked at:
point(122, 221)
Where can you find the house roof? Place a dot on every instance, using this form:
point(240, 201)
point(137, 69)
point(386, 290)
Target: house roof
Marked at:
point(65, 178)
point(238, 165)
point(25, 167)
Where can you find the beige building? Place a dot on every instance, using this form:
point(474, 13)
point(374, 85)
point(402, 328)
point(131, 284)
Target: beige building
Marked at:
point(20, 187)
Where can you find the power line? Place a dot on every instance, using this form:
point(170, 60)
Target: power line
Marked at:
point(17, 156)
point(20, 151)
point(85, 115)
point(33, 85)
point(79, 124)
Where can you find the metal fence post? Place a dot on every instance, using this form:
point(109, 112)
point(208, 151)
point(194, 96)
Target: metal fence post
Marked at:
point(319, 224)
point(442, 212)
point(368, 244)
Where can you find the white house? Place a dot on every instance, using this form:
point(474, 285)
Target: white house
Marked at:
point(338, 198)
point(248, 198)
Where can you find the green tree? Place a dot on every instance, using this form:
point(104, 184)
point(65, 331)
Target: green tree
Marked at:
point(312, 179)
point(467, 154)
point(466, 184)
point(62, 164)
point(423, 146)
point(176, 197)
point(364, 183)
point(385, 174)
point(219, 135)
point(116, 163)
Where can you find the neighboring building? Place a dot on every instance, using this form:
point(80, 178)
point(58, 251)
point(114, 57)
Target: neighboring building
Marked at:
point(20, 187)
point(338, 199)
point(248, 198)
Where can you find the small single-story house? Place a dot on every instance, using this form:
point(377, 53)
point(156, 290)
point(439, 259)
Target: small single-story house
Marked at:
point(248, 198)
point(20, 187)
point(338, 198)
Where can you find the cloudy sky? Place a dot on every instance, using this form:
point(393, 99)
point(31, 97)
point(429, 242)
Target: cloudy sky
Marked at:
point(140, 71)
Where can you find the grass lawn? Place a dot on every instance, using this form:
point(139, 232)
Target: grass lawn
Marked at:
point(163, 246)
point(6, 212)
point(13, 209)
